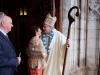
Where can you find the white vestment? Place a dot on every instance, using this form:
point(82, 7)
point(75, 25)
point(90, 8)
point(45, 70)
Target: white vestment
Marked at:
point(56, 56)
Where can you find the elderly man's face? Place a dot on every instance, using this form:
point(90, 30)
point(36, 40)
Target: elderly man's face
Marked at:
point(7, 24)
point(47, 29)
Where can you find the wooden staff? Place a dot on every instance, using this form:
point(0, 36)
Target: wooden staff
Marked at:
point(71, 19)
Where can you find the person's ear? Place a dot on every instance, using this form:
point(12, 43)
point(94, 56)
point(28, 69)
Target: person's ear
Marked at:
point(50, 27)
point(2, 23)
point(36, 32)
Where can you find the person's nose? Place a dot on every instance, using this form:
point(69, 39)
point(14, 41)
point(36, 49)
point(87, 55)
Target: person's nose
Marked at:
point(12, 25)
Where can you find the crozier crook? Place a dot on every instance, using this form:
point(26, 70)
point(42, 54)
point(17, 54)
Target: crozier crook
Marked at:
point(71, 20)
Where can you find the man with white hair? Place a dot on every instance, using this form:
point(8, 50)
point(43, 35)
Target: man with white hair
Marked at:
point(55, 45)
point(8, 59)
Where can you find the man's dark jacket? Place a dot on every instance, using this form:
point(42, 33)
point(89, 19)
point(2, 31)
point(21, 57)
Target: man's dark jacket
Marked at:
point(8, 59)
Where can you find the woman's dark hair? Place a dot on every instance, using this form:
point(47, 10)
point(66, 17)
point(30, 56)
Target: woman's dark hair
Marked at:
point(34, 29)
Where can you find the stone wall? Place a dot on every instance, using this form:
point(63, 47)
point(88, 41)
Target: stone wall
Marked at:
point(83, 54)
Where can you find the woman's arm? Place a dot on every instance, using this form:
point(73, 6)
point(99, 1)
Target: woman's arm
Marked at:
point(42, 49)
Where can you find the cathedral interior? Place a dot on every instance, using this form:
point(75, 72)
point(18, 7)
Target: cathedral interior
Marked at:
point(27, 13)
